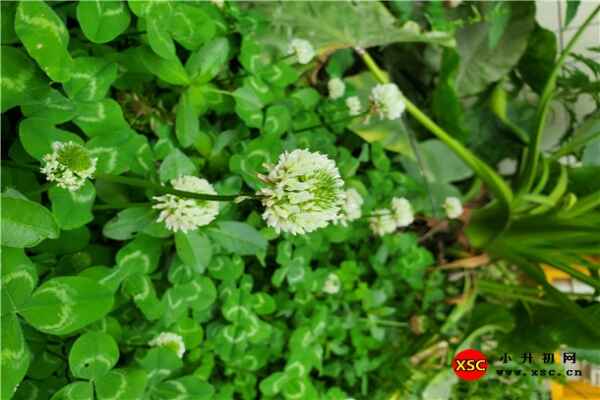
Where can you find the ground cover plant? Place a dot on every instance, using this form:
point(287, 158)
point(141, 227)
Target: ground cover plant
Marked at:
point(304, 200)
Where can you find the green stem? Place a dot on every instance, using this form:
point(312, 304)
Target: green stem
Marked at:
point(533, 153)
point(495, 183)
point(143, 183)
point(119, 206)
point(385, 322)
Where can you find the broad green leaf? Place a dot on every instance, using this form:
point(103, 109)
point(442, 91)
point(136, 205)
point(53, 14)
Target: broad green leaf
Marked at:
point(440, 386)
point(572, 7)
point(160, 363)
point(8, 35)
point(128, 222)
point(194, 249)
point(191, 26)
point(203, 65)
point(91, 79)
point(239, 238)
point(51, 106)
point(122, 384)
point(187, 127)
point(102, 21)
point(72, 209)
point(226, 268)
point(75, 391)
point(45, 37)
point(190, 330)
point(25, 223)
point(248, 106)
point(38, 134)
point(142, 290)
point(108, 149)
point(92, 355)
point(176, 164)
point(481, 65)
point(170, 71)
point(21, 81)
point(100, 118)
point(15, 355)
point(278, 120)
point(159, 38)
point(185, 388)
point(19, 278)
point(141, 255)
point(68, 242)
point(438, 163)
point(536, 64)
point(341, 25)
point(63, 305)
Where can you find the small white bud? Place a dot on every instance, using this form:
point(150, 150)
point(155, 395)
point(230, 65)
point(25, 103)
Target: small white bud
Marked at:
point(336, 87)
point(453, 207)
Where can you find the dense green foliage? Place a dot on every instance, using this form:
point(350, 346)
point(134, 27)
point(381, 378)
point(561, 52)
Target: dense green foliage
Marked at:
point(159, 90)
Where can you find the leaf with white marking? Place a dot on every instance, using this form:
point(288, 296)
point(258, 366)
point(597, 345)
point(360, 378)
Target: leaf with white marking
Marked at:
point(101, 118)
point(20, 80)
point(160, 363)
point(19, 278)
point(107, 149)
point(170, 71)
point(141, 288)
point(204, 64)
point(63, 305)
point(176, 164)
point(25, 223)
point(191, 26)
point(75, 391)
point(45, 37)
point(239, 238)
point(128, 222)
point(185, 388)
point(15, 355)
point(102, 21)
point(38, 134)
point(93, 354)
point(91, 78)
point(122, 384)
point(72, 209)
point(141, 255)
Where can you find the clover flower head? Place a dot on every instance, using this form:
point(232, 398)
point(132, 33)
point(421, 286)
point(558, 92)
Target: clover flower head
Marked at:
point(304, 192)
point(453, 207)
point(382, 222)
point(402, 211)
point(69, 165)
point(354, 106)
point(332, 284)
point(336, 87)
point(181, 214)
point(351, 209)
point(507, 166)
point(386, 100)
point(170, 340)
point(302, 49)
point(570, 161)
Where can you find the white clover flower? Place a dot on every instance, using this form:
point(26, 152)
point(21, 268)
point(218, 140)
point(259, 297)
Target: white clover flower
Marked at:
point(304, 192)
point(218, 3)
point(353, 104)
point(181, 214)
point(402, 211)
point(302, 49)
point(387, 101)
point(69, 165)
point(351, 208)
point(507, 166)
point(570, 161)
point(336, 87)
point(332, 284)
point(170, 340)
point(454, 3)
point(382, 222)
point(453, 207)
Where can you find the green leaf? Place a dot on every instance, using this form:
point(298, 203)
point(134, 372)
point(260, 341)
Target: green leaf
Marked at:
point(170, 71)
point(101, 118)
point(91, 79)
point(176, 164)
point(158, 36)
point(38, 134)
point(278, 120)
point(72, 209)
point(160, 362)
point(185, 388)
point(141, 255)
point(191, 26)
point(481, 65)
point(536, 64)
point(19, 278)
point(238, 238)
point(63, 305)
point(15, 356)
point(572, 6)
point(128, 222)
point(203, 65)
point(92, 355)
point(21, 81)
point(341, 25)
point(248, 106)
point(51, 106)
point(8, 35)
point(439, 163)
point(187, 127)
point(122, 384)
point(45, 37)
point(194, 249)
point(25, 223)
point(108, 149)
point(102, 21)
point(76, 390)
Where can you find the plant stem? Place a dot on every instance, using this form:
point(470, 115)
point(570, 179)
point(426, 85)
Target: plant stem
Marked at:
point(533, 153)
point(119, 206)
point(386, 322)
